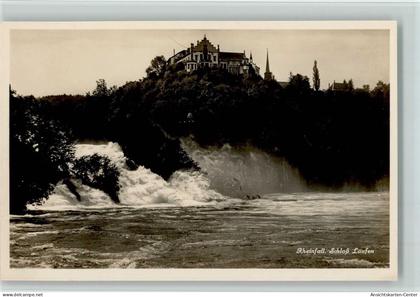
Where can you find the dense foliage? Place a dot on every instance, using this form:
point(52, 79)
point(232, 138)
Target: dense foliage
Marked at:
point(332, 137)
point(98, 172)
point(40, 151)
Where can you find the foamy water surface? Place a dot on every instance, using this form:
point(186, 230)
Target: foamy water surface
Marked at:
point(259, 233)
point(201, 220)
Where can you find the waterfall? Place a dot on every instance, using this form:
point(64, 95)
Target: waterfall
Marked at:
point(140, 187)
point(244, 171)
point(226, 173)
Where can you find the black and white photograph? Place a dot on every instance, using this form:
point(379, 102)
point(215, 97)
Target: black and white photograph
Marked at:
point(202, 146)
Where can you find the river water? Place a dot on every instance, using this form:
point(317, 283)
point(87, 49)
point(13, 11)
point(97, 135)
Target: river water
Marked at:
point(263, 233)
point(204, 220)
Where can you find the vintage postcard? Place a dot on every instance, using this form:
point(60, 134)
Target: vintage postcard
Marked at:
point(245, 151)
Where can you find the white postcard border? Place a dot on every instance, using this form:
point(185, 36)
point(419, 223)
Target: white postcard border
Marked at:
point(321, 274)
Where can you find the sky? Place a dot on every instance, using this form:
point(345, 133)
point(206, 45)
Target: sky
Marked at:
point(51, 62)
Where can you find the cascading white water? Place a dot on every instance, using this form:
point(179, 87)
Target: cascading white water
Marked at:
point(244, 171)
point(226, 173)
point(139, 187)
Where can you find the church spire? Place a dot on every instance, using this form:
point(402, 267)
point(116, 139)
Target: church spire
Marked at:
point(267, 75)
point(267, 64)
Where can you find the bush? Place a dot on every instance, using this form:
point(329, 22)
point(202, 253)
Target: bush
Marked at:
point(98, 172)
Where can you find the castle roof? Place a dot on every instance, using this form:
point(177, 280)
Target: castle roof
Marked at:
point(338, 86)
point(205, 43)
point(179, 55)
point(283, 84)
point(231, 56)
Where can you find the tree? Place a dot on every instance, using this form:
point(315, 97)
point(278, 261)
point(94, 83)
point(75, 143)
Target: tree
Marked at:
point(98, 172)
point(316, 80)
point(101, 89)
point(299, 83)
point(157, 67)
point(350, 86)
point(381, 90)
point(40, 151)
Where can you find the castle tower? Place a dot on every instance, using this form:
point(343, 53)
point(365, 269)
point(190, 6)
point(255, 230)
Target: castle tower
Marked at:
point(267, 74)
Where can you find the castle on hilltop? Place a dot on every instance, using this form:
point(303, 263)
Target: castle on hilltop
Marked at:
point(205, 54)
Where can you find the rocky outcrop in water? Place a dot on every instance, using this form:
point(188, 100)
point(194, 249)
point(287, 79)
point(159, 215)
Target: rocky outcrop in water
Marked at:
point(98, 172)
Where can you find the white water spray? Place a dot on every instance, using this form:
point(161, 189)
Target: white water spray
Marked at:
point(139, 187)
point(244, 171)
point(226, 173)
